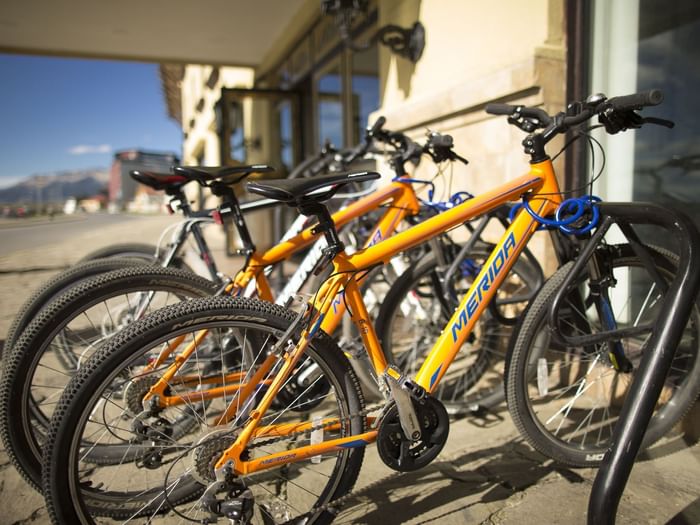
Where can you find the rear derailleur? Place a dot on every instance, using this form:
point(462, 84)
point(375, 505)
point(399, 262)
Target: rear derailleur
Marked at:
point(236, 503)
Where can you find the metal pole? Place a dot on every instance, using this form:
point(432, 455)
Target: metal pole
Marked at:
point(644, 393)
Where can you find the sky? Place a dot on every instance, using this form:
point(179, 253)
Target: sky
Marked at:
point(64, 113)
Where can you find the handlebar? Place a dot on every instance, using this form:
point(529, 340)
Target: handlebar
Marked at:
point(438, 146)
point(616, 114)
point(379, 124)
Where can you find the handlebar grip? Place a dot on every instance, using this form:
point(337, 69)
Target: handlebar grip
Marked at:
point(500, 109)
point(376, 126)
point(652, 97)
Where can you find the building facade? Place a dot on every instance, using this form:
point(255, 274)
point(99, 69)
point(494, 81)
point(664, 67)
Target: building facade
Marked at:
point(312, 88)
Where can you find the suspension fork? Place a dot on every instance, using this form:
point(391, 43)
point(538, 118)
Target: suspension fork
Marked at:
point(598, 266)
point(601, 279)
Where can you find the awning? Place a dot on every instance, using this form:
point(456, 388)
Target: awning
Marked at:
point(224, 32)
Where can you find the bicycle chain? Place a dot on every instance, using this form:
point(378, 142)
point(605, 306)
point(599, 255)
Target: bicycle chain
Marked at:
point(334, 505)
point(366, 411)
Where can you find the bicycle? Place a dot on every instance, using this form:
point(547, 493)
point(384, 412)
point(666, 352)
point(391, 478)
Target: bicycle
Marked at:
point(285, 413)
point(86, 316)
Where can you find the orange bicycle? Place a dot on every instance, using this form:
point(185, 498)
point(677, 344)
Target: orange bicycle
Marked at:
point(69, 330)
point(280, 421)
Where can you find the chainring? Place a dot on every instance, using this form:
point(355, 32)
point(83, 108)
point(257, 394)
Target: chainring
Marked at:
point(401, 453)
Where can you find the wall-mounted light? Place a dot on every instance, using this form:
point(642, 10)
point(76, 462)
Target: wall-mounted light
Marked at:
point(408, 43)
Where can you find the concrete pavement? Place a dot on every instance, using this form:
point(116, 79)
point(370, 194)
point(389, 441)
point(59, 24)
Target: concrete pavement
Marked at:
point(486, 474)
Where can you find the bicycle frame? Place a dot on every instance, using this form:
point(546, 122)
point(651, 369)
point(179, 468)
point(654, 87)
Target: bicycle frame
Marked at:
point(403, 202)
point(342, 289)
point(540, 183)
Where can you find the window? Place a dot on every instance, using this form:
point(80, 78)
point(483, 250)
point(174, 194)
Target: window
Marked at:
point(337, 88)
point(329, 106)
point(640, 45)
point(365, 89)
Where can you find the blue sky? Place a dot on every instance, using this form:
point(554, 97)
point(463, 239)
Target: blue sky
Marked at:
point(64, 113)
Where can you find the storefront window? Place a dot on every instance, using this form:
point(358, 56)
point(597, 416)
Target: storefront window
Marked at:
point(286, 131)
point(365, 89)
point(330, 107)
point(641, 45)
point(667, 162)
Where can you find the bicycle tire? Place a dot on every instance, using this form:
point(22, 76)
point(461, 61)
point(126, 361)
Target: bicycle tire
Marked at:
point(528, 390)
point(52, 288)
point(73, 500)
point(136, 250)
point(476, 382)
point(22, 419)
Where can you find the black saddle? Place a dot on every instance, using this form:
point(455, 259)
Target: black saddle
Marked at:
point(160, 181)
point(298, 191)
point(227, 174)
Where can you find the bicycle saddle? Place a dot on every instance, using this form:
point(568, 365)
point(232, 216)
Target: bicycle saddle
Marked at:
point(159, 181)
point(227, 174)
point(295, 191)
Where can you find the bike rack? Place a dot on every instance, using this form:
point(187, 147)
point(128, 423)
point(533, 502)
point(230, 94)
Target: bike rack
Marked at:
point(666, 334)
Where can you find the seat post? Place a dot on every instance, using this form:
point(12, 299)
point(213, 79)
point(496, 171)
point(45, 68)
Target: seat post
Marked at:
point(325, 225)
point(228, 198)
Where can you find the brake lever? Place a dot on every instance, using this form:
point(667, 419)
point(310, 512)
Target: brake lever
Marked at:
point(659, 122)
point(616, 121)
point(458, 157)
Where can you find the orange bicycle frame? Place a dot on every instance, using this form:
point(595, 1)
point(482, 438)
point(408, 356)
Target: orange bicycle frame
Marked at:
point(542, 190)
point(402, 203)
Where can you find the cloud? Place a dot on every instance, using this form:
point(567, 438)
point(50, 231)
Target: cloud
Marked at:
point(86, 149)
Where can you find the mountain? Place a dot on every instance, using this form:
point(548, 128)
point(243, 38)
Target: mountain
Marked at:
point(57, 187)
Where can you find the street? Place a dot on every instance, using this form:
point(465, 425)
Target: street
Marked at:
point(22, 234)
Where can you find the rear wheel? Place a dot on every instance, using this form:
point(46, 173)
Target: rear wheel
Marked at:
point(64, 334)
point(136, 250)
point(57, 285)
point(171, 474)
point(148, 253)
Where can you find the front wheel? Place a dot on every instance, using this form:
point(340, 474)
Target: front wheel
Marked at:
point(106, 463)
point(566, 399)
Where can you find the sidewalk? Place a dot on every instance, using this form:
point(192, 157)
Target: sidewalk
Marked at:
point(485, 475)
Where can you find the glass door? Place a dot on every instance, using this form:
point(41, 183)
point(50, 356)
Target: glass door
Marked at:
point(641, 45)
point(259, 126)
